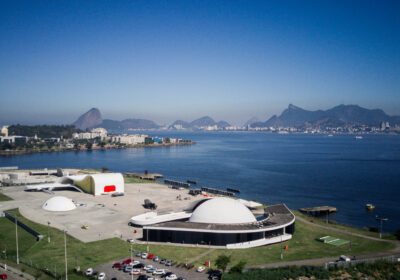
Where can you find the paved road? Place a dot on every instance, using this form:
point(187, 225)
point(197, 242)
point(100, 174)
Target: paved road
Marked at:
point(321, 261)
point(14, 274)
point(180, 272)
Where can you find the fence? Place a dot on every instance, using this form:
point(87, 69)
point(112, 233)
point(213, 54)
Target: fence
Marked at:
point(393, 258)
point(25, 227)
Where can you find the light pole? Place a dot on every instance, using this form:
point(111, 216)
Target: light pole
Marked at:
point(48, 232)
point(147, 233)
point(65, 252)
point(381, 221)
point(281, 248)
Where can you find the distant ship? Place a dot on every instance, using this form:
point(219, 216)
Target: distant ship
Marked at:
point(330, 135)
point(370, 206)
point(359, 137)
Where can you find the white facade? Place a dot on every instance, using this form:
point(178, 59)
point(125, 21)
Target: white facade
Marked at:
point(101, 183)
point(59, 204)
point(222, 210)
point(129, 139)
point(95, 132)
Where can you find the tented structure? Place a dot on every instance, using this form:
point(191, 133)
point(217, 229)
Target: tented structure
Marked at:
point(100, 183)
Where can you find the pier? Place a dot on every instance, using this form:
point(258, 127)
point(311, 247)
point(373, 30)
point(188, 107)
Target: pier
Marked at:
point(145, 176)
point(318, 210)
point(217, 191)
point(177, 184)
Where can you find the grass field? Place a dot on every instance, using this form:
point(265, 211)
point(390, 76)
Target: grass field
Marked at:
point(344, 227)
point(304, 245)
point(3, 197)
point(131, 180)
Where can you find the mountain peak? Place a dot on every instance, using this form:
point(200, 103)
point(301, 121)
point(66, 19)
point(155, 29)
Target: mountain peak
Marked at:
point(89, 119)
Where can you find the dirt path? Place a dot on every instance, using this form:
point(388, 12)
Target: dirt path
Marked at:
point(201, 255)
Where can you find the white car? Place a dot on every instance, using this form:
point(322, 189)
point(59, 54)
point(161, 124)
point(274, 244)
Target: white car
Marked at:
point(101, 276)
point(147, 267)
point(201, 269)
point(89, 271)
point(135, 263)
point(159, 272)
point(171, 277)
point(135, 271)
point(144, 255)
point(130, 240)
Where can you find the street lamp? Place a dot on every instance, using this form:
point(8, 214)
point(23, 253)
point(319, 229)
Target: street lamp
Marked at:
point(381, 221)
point(65, 252)
point(48, 232)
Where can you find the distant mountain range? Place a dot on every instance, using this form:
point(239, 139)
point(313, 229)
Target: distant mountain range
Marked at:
point(92, 118)
point(337, 116)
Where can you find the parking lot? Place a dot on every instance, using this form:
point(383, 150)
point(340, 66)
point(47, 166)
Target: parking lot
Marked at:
point(120, 274)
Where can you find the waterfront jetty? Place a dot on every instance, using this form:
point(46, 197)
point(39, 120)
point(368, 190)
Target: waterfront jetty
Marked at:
point(233, 190)
point(217, 191)
point(318, 210)
point(145, 176)
point(177, 184)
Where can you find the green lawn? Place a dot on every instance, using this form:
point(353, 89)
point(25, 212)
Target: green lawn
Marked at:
point(348, 228)
point(49, 255)
point(303, 245)
point(3, 197)
point(131, 180)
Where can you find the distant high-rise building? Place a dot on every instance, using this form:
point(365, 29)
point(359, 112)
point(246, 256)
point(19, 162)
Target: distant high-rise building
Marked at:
point(4, 131)
point(383, 126)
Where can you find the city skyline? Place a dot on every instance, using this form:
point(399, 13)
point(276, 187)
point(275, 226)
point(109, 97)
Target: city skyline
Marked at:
point(184, 60)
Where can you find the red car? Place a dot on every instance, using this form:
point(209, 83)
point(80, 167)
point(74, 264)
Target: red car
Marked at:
point(116, 265)
point(150, 256)
point(3, 276)
point(128, 261)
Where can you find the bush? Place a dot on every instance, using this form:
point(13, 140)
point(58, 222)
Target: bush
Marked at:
point(222, 262)
point(238, 268)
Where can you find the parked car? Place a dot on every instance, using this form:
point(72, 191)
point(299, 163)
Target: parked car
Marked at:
point(151, 270)
point(169, 263)
point(139, 254)
point(128, 268)
point(101, 276)
point(156, 259)
point(117, 265)
point(172, 277)
point(3, 276)
point(150, 256)
point(136, 271)
point(144, 255)
point(167, 274)
point(344, 258)
point(143, 277)
point(147, 267)
point(201, 269)
point(130, 240)
point(159, 272)
point(163, 261)
point(127, 261)
point(139, 265)
point(135, 263)
point(181, 278)
point(89, 271)
point(214, 275)
point(114, 278)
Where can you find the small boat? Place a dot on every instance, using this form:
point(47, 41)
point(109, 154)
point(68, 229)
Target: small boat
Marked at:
point(359, 137)
point(370, 207)
point(330, 135)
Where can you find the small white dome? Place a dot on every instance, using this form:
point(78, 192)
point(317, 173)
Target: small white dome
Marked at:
point(59, 203)
point(222, 210)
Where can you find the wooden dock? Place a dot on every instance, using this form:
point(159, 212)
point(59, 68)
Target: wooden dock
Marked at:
point(143, 176)
point(318, 210)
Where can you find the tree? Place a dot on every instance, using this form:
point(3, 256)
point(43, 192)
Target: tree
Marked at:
point(397, 234)
point(238, 268)
point(89, 145)
point(222, 262)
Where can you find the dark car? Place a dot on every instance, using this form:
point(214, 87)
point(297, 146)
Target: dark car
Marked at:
point(163, 261)
point(114, 278)
point(169, 263)
point(166, 274)
point(139, 265)
point(214, 274)
point(139, 254)
point(181, 278)
point(143, 277)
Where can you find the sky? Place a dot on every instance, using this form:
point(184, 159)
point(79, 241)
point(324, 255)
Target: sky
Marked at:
point(169, 60)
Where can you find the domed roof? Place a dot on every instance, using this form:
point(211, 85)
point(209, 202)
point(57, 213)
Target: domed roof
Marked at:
point(222, 210)
point(59, 203)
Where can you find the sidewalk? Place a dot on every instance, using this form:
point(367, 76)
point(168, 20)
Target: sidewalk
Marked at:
point(14, 273)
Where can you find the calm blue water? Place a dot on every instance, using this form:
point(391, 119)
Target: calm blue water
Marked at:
point(299, 170)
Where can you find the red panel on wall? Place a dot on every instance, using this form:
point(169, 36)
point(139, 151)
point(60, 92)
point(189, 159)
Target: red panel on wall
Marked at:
point(109, 189)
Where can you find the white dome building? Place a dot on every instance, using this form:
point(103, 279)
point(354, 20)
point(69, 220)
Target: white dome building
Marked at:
point(59, 204)
point(222, 210)
point(224, 222)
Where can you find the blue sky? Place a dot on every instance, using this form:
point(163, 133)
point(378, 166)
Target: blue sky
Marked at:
point(168, 60)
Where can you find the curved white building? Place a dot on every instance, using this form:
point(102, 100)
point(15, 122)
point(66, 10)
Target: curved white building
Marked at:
point(222, 210)
point(225, 222)
point(99, 183)
point(59, 204)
